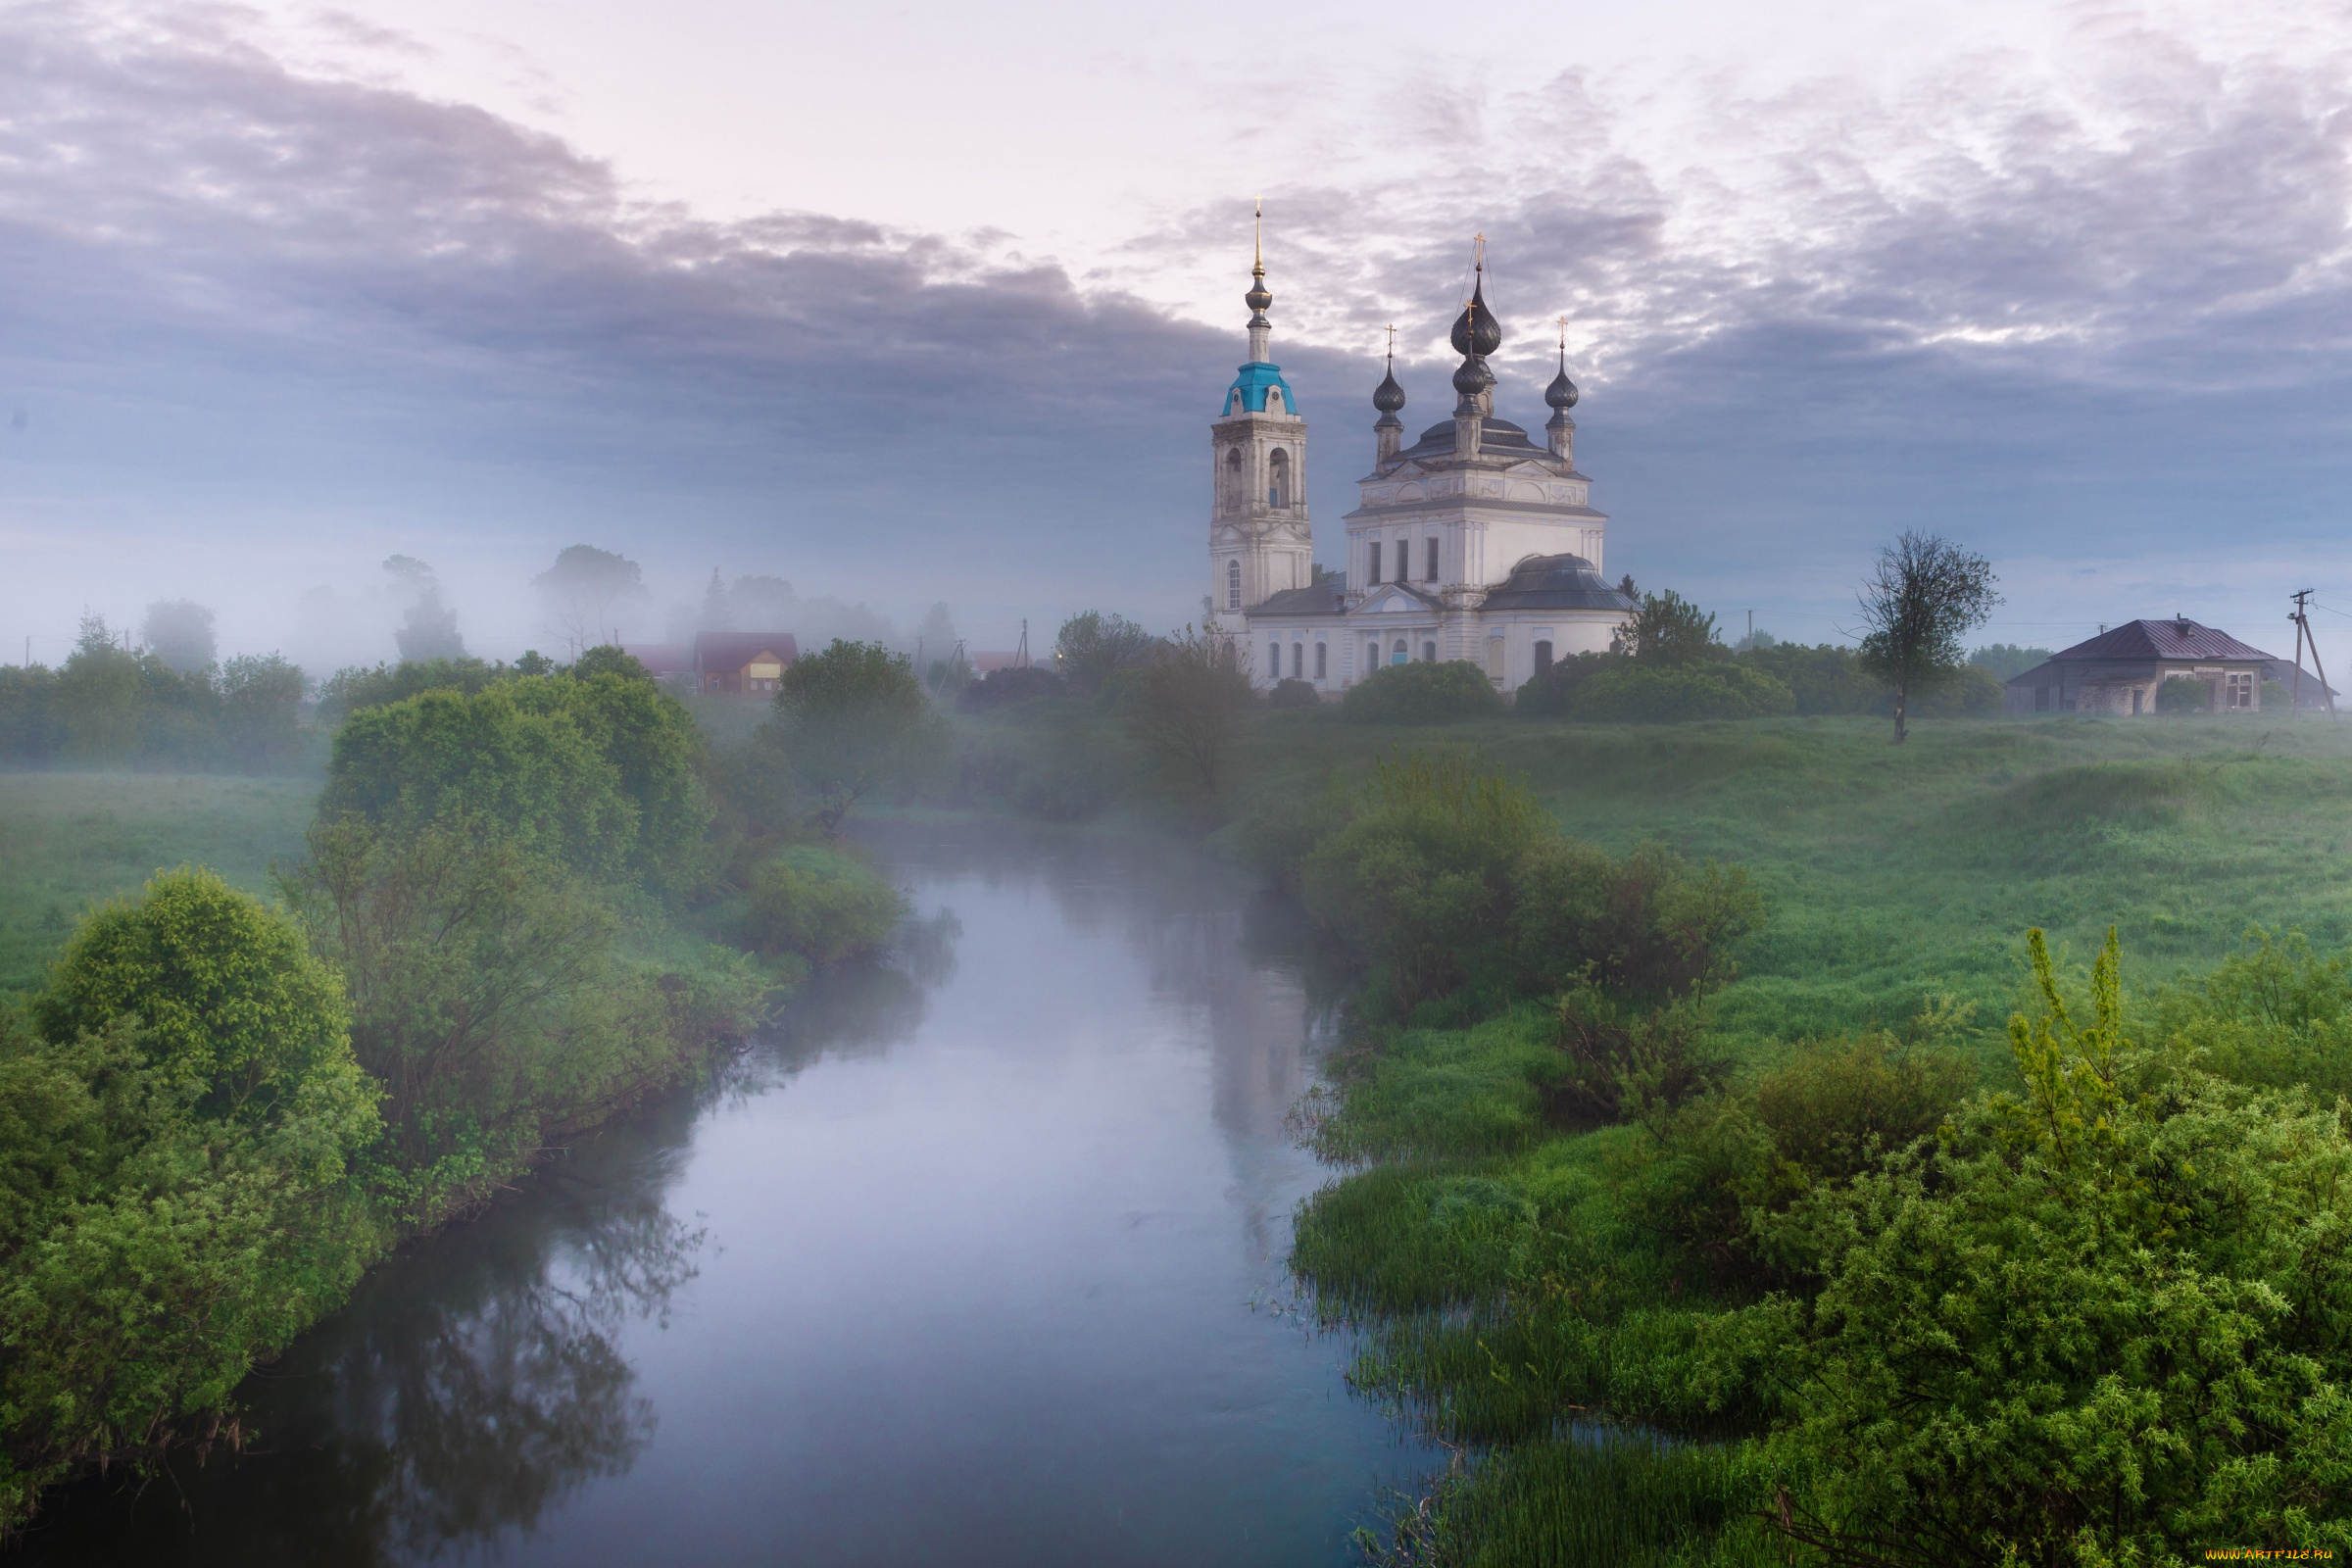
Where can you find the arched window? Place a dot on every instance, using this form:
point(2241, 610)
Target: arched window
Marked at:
point(1542, 658)
point(1429, 653)
point(1373, 579)
point(1273, 660)
point(1322, 663)
point(1298, 660)
point(1233, 585)
point(1396, 654)
point(1278, 478)
point(1371, 656)
point(1237, 484)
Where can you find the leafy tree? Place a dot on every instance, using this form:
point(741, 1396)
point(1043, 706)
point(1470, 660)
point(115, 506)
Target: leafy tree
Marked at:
point(260, 706)
point(352, 688)
point(1925, 595)
point(761, 604)
point(584, 593)
point(1189, 705)
point(180, 632)
point(226, 993)
point(1441, 693)
point(97, 696)
point(2007, 660)
point(850, 719)
point(1644, 692)
point(32, 729)
point(1090, 648)
point(526, 766)
point(1669, 629)
point(428, 629)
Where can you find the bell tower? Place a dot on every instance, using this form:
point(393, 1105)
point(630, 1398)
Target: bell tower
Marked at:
point(1260, 542)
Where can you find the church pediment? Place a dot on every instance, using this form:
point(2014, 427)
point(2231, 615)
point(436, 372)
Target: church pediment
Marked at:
point(1394, 600)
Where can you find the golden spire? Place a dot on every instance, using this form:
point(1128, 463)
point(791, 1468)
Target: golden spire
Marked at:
point(1257, 241)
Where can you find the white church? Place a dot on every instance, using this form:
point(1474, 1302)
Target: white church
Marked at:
point(1473, 543)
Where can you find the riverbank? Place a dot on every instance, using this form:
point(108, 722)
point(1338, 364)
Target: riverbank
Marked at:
point(1726, 1253)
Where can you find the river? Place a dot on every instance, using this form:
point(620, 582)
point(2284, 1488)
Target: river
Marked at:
point(975, 1259)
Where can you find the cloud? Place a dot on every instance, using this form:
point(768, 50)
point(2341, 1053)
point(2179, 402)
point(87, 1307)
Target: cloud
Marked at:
point(271, 324)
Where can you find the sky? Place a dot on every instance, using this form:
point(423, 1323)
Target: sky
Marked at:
point(934, 301)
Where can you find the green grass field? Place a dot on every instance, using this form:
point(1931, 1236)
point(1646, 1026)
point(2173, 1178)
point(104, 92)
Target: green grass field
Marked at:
point(70, 841)
point(1893, 873)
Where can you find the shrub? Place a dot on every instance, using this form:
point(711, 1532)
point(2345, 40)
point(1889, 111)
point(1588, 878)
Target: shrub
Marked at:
point(1639, 693)
point(1821, 679)
point(353, 688)
point(2183, 694)
point(1421, 693)
point(1419, 880)
point(1291, 692)
point(1629, 1063)
point(1551, 694)
point(821, 904)
point(229, 1000)
point(2277, 697)
point(1650, 925)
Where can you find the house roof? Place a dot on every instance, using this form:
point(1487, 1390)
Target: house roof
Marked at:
point(722, 651)
point(1325, 597)
point(661, 658)
point(2179, 638)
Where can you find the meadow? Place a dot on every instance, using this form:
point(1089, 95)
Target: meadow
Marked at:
point(72, 841)
point(1894, 873)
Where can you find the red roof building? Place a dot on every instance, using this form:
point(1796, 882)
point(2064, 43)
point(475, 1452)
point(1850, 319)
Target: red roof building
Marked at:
point(745, 662)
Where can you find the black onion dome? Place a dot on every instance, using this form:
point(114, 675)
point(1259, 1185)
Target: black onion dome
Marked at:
point(1475, 330)
point(1473, 377)
point(1388, 397)
point(1561, 394)
point(1558, 582)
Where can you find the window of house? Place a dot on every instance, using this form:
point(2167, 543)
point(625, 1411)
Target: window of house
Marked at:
point(1273, 660)
point(1322, 661)
point(1233, 585)
point(1542, 658)
point(1429, 653)
point(1431, 575)
point(1298, 660)
point(2242, 689)
point(1397, 653)
point(1494, 659)
point(2135, 692)
point(1371, 656)
point(1278, 478)
point(1372, 579)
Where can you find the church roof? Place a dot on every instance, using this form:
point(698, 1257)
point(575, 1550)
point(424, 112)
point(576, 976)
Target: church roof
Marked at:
point(1248, 393)
point(1325, 597)
point(1557, 582)
point(1493, 436)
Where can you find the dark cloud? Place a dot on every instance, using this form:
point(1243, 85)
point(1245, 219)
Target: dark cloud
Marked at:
point(2092, 318)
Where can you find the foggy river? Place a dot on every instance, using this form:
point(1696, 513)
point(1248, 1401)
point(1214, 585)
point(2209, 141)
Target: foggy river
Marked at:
point(977, 1259)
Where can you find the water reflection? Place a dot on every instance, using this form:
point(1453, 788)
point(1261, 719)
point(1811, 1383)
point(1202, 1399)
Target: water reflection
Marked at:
point(470, 1387)
point(961, 1262)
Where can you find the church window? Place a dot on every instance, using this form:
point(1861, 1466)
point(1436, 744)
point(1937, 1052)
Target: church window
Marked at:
point(1542, 658)
point(1396, 654)
point(1372, 579)
point(1322, 661)
point(1273, 660)
point(1372, 656)
point(1236, 485)
point(1298, 660)
point(1431, 573)
point(1429, 653)
point(1233, 585)
point(1278, 480)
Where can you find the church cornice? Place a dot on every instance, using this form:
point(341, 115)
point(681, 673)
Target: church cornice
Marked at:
point(1465, 506)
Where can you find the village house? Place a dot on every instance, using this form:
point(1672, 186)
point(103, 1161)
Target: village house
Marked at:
point(745, 662)
point(2120, 671)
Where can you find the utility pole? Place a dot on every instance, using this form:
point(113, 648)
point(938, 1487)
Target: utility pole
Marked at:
point(1021, 655)
point(2303, 638)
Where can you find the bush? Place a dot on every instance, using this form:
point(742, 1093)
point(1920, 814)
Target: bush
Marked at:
point(229, 1003)
point(349, 690)
point(1001, 688)
point(821, 904)
point(1650, 925)
point(1822, 679)
point(1291, 692)
point(2108, 1319)
point(2183, 695)
point(1638, 692)
point(1551, 694)
point(1421, 693)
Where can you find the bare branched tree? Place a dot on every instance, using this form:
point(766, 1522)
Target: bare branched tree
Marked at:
point(1925, 595)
